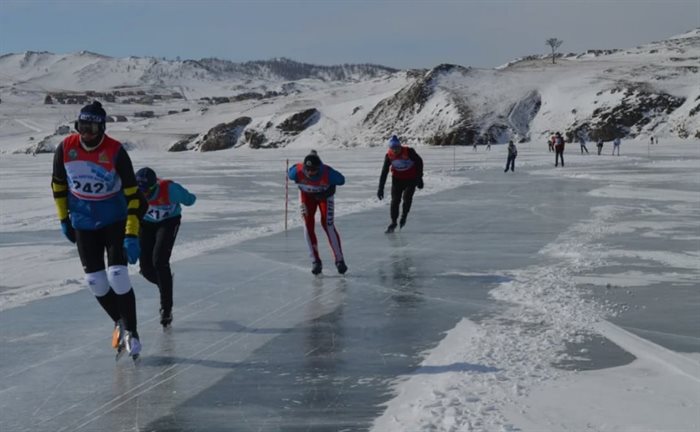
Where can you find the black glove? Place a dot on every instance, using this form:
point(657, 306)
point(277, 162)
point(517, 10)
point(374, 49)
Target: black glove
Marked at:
point(320, 196)
point(68, 230)
point(380, 194)
point(419, 183)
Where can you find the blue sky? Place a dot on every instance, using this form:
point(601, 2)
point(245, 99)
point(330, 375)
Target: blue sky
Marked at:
point(399, 33)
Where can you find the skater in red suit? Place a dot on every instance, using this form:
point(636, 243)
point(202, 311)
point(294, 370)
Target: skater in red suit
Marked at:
point(317, 183)
point(406, 175)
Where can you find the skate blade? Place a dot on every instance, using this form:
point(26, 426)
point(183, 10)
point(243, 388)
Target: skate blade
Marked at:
point(120, 354)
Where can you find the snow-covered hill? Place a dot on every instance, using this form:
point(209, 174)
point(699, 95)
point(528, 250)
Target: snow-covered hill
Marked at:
point(167, 104)
point(647, 90)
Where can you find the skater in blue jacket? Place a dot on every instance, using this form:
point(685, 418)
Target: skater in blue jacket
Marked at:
point(158, 232)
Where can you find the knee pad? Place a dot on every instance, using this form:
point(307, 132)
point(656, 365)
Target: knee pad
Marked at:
point(118, 277)
point(98, 283)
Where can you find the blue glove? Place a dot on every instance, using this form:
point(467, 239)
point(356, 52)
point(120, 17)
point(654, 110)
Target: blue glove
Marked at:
point(68, 230)
point(132, 249)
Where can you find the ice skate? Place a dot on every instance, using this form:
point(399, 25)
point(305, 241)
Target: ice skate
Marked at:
point(316, 267)
point(117, 335)
point(166, 318)
point(402, 221)
point(342, 268)
point(132, 345)
point(118, 340)
point(390, 229)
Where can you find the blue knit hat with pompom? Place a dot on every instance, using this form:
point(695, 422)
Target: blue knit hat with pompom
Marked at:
point(394, 141)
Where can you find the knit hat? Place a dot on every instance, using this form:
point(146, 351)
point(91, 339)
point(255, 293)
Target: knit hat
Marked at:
point(312, 161)
point(394, 141)
point(93, 113)
point(92, 119)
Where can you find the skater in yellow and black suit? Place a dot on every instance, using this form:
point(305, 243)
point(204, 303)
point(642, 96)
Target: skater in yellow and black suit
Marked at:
point(97, 202)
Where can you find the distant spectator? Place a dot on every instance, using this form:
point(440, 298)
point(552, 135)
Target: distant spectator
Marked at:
point(651, 140)
point(550, 142)
point(512, 154)
point(582, 141)
point(616, 146)
point(475, 142)
point(599, 144)
point(558, 149)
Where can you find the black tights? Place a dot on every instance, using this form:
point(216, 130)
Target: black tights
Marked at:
point(401, 188)
point(157, 241)
point(92, 245)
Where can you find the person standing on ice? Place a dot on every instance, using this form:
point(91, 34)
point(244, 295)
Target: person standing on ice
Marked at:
point(96, 197)
point(558, 149)
point(550, 142)
point(582, 142)
point(317, 183)
point(512, 154)
point(159, 229)
point(616, 146)
point(406, 175)
point(599, 144)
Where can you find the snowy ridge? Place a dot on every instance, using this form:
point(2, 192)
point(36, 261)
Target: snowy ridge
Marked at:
point(635, 93)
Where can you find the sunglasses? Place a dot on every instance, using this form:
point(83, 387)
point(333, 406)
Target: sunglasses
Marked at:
point(88, 127)
point(144, 186)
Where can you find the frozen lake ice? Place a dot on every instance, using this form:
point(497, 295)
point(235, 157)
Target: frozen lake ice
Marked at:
point(499, 286)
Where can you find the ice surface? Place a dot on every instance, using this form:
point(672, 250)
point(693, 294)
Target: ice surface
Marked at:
point(455, 323)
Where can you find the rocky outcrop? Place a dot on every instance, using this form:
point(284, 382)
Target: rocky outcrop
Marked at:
point(461, 135)
point(255, 139)
point(224, 135)
point(408, 101)
point(447, 114)
point(183, 144)
point(521, 115)
point(398, 111)
point(299, 122)
point(638, 108)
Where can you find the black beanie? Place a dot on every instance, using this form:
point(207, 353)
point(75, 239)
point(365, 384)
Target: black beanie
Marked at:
point(312, 161)
point(93, 113)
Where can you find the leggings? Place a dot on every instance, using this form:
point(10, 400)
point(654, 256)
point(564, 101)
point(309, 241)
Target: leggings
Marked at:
point(309, 204)
point(401, 188)
point(157, 241)
point(92, 245)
